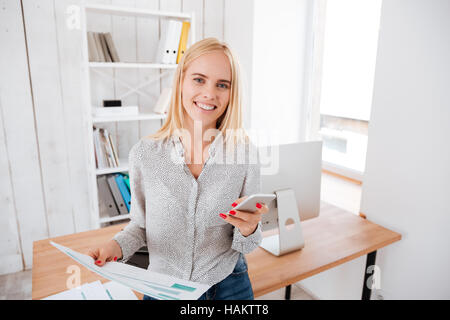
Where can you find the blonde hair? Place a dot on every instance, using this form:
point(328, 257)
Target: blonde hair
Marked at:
point(231, 120)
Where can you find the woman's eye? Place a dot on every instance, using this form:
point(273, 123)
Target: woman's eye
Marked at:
point(220, 85)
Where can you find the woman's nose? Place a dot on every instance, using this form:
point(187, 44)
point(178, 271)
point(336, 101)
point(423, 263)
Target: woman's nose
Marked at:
point(208, 92)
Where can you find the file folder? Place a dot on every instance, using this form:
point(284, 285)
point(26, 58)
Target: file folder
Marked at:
point(123, 190)
point(173, 41)
point(107, 205)
point(183, 40)
point(117, 195)
point(163, 45)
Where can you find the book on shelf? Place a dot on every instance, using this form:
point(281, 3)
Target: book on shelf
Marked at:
point(113, 111)
point(162, 105)
point(98, 47)
point(104, 46)
point(111, 47)
point(104, 149)
point(93, 54)
point(173, 39)
point(101, 47)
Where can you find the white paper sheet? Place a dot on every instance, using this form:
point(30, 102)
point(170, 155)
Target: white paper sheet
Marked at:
point(156, 285)
point(72, 294)
point(118, 291)
point(87, 291)
point(94, 291)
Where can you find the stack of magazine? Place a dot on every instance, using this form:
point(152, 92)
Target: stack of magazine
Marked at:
point(105, 150)
point(114, 194)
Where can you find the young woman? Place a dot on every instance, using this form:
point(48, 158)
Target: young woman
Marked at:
point(183, 189)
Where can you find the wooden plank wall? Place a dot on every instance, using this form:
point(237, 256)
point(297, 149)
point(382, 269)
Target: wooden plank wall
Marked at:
point(23, 207)
point(44, 190)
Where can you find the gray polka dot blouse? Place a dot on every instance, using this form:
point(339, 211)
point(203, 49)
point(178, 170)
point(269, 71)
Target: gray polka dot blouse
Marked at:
point(177, 216)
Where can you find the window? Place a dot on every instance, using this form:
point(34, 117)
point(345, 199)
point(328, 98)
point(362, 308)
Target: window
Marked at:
point(349, 42)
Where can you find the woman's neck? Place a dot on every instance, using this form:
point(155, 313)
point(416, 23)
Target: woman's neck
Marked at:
point(194, 144)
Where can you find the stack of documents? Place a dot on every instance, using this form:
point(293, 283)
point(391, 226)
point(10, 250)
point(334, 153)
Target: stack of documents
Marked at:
point(96, 291)
point(156, 285)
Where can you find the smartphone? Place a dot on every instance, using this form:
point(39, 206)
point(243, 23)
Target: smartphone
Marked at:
point(249, 204)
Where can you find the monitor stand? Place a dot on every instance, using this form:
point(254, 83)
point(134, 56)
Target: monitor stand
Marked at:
point(290, 237)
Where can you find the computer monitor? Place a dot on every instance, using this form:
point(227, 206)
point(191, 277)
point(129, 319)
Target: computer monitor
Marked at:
point(296, 179)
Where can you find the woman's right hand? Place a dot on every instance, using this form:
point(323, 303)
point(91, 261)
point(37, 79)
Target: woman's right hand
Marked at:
point(110, 251)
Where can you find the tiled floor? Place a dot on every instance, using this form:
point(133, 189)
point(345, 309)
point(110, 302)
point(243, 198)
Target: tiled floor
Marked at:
point(339, 192)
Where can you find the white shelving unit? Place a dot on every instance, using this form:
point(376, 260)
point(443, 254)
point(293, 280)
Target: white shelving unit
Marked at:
point(90, 120)
point(131, 65)
point(137, 117)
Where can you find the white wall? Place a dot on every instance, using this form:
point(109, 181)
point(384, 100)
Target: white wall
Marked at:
point(22, 217)
point(238, 33)
point(279, 78)
point(44, 190)
point(407, 180)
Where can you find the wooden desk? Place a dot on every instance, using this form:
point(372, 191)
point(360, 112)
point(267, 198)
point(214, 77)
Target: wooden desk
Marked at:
point(333, 238)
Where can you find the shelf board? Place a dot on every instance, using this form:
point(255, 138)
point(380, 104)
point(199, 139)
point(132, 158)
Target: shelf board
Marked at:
point(122, 168)
point(115, 218)
point(137, 117)
point(132, 65)
point(136, 12)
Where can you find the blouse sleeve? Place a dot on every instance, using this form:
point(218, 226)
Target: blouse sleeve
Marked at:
point(133, 236)
point(252, 185)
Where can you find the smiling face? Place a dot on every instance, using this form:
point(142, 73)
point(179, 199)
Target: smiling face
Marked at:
point(206, 88)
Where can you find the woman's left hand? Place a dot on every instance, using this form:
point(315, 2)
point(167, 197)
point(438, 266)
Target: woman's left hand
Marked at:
point(245, 221)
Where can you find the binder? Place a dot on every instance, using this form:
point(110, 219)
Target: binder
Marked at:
point(117, 195)
point(173, 41)
point(162, 45)
point(107, 206)
point(123, 190)
point(127, 182)
point(183, 40)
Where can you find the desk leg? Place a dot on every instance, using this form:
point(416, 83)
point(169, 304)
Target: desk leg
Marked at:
point(369, 262)
point(287, 295)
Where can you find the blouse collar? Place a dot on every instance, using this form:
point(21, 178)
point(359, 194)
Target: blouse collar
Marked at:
point(211, 150)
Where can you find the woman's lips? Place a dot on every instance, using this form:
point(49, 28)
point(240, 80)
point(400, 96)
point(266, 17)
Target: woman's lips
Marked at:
point(215, 107)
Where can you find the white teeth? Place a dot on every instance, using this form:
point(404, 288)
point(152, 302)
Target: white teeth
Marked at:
point(204, 106)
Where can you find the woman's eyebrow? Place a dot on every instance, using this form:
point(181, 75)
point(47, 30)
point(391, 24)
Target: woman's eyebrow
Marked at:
point(199, 74)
